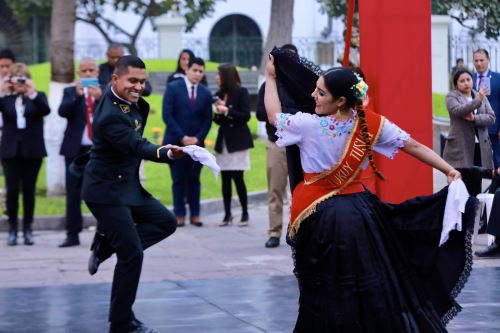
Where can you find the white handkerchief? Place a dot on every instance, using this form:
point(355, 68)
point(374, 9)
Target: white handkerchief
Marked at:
point(455, 206)
point(203, 156)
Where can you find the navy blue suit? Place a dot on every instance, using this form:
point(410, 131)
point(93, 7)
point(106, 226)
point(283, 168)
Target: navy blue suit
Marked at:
point(22, 151)
point(73, 108)
point(182, 118)
point(494, 99)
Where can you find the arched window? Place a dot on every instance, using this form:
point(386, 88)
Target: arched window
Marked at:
point(237, 39)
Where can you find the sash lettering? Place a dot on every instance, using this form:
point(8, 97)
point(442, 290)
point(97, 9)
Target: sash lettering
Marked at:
point(341, 178)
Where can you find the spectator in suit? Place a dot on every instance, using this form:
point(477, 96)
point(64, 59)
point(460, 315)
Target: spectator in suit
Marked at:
point(470, 115)
point(77, 106)
point(481, 63)
point(232, 112)
point(114, 52)
point(277, 169)
point(22, 148)
point(187, 112)
point(182, 65)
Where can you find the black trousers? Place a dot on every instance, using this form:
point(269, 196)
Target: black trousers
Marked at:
point(74, 198)
point(20, 176)
point(241, 189)
point(130, 230)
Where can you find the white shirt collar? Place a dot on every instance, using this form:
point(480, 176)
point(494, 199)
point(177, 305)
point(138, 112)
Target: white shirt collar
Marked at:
point(189, 85)
point(121, 99)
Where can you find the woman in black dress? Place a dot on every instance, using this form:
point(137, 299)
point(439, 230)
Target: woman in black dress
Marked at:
point(363, 265)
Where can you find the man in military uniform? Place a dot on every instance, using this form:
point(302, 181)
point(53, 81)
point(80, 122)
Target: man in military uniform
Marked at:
point(129, 219)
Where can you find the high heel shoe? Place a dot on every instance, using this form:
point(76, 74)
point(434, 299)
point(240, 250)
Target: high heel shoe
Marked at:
point(227, 221)
point(244, 220)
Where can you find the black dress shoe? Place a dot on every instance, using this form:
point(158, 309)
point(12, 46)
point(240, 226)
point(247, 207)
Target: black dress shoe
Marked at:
point(70, 241)
point(134, 326)
point(12, 240)
point(93, 264)
point(28, 237)
point(490, 252)
point(273, 242)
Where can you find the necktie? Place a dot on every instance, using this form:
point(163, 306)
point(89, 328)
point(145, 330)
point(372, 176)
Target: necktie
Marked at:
point(479, 82)
point(89, 110)
point(193, 99)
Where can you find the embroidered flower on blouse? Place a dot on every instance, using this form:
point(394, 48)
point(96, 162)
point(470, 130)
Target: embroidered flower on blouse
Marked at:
point(334, 128)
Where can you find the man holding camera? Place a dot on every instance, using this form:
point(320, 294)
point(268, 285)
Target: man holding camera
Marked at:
point(77, 107)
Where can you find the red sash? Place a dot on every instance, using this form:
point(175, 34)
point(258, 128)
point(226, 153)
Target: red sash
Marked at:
point(342, 178)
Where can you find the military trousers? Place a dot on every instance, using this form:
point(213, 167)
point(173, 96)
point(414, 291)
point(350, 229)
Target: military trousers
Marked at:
point(130, 230)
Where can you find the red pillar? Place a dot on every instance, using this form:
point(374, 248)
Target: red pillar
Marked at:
point(395, 56)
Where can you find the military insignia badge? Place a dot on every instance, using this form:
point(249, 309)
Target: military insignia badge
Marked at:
point(137, 125)
point(124, 107)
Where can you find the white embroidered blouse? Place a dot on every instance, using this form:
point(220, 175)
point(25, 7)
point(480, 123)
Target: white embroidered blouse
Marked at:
point(322, 139)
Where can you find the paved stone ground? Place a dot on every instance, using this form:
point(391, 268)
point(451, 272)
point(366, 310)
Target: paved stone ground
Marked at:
point(207, 279)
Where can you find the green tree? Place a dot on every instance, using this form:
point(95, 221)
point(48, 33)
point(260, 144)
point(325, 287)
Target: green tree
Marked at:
point(93, 12)
point(481, 16)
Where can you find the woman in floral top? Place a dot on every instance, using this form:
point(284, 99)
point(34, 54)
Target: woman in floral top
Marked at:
point(364, 265)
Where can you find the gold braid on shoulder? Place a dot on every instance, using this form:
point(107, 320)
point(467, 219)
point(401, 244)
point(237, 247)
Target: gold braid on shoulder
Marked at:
point(364, 132)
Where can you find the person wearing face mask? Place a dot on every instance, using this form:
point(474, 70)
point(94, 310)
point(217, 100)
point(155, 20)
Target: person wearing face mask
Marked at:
point(362, 265)
point(187, 112)
point(22, 148)
point(129, 219)
point(77, 106)
point(468, 143)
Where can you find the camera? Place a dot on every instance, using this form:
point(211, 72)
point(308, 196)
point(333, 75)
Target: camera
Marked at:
point(215, 99)
point(18, 79)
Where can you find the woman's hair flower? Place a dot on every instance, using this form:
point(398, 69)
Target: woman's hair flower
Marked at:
point(360, 88)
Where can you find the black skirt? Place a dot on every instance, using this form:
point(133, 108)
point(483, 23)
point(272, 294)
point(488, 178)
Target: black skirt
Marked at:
point(364, 265)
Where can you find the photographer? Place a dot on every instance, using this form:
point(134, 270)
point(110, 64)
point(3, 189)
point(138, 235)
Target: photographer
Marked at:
point(22, 148)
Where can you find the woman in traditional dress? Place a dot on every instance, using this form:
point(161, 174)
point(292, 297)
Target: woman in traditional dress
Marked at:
point(362, 265)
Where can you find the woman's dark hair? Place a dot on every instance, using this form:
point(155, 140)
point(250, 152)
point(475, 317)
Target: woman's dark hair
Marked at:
point(458, 73)
point(340, 82)
point(229, 78)
point(191, 56)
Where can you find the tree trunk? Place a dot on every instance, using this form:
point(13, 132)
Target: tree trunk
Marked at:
point(280, 27)
point(62, 40)
point(62, 73)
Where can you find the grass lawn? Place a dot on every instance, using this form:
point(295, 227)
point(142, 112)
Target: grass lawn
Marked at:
point(158, 180)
